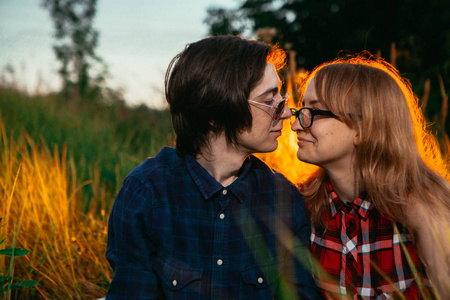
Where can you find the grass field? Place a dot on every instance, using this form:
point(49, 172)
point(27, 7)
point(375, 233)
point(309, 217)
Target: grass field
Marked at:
point(60, 166)
point(104, 141)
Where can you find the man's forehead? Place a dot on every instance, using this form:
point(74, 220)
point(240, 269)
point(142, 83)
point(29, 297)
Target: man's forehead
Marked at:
point(269, 83)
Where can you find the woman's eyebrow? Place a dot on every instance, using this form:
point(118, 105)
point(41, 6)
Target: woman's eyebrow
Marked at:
point(312, 102)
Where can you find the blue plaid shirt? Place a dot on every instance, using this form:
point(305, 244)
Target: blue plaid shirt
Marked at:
point(176, 233)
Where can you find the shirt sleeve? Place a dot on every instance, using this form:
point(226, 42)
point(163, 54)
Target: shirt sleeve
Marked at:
point(129, 247)
point(297, 282)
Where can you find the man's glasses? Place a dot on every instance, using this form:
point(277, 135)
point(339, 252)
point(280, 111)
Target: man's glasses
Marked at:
point(279, 108)
point(306, 115)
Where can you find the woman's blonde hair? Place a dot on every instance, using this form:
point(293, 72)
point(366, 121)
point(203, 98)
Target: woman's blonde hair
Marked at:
point(397, 159)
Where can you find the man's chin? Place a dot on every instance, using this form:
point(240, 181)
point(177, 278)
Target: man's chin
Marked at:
point(269, 149)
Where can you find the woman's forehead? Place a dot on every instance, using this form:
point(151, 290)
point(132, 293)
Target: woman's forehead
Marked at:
point(310, 98)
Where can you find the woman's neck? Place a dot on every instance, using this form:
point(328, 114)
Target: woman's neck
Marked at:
point(344, 184)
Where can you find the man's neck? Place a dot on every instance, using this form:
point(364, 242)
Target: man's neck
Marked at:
point(222, 160)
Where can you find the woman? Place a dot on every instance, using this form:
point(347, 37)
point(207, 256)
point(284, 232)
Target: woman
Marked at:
point(380, 200)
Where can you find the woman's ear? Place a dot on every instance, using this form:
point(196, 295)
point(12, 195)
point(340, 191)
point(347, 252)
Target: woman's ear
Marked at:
point(356, 139)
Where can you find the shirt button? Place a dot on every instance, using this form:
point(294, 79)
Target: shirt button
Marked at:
point(222, 216)
point(174, 283)
point(224, 192)
point(220, 262)
point(260, 280)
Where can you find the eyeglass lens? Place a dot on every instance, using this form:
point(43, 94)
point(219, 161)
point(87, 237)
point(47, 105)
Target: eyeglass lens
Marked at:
point(279, 109)
point(305, 117)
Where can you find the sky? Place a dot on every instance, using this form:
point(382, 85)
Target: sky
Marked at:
point(138, 39)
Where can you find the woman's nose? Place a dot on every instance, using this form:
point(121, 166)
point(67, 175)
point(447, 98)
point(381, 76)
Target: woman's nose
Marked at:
point(295, 124)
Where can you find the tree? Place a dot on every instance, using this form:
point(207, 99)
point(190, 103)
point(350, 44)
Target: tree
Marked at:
point(77, 41)
point(413, 35)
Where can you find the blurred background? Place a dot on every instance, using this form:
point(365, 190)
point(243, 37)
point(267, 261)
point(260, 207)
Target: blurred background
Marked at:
point(136, 40)
point(81, 104)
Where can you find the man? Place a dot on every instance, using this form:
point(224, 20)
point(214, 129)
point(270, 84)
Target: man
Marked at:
point(207, 220)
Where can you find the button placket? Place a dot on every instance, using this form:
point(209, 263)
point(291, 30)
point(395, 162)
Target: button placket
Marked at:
point(221, 237)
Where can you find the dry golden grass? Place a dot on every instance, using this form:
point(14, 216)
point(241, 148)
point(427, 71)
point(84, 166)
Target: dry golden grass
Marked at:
point(66, 247)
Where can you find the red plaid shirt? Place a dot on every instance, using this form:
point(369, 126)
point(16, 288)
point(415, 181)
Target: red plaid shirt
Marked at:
point(360, 255)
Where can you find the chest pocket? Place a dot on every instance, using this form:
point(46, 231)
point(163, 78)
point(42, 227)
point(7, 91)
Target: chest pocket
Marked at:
point(175, 276)
point(262, 276)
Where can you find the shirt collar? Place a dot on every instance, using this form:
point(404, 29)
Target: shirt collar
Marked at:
point(241, 185)
point(362, 205)
point(209, 186)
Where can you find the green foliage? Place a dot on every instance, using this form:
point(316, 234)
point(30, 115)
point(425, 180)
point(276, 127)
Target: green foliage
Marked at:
point(17, 252)
point(105, 141)
point(7, 281)
point(224, 21)
point(77, 41)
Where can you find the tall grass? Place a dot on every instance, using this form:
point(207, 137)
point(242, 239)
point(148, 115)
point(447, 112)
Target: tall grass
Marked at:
point(69, 160)
point(105, 141)
point(66, 247)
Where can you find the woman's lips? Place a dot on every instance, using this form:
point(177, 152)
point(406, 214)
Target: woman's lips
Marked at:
point(302, 141)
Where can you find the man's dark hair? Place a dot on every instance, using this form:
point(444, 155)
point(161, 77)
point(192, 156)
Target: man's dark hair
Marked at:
point(208, 84)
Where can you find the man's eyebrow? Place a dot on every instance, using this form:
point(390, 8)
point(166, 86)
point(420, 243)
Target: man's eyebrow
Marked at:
point(269, 91)
point(312, 102)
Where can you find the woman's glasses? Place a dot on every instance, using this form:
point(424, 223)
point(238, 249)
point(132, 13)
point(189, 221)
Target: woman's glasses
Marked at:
point(279, 108)
point(306, 115)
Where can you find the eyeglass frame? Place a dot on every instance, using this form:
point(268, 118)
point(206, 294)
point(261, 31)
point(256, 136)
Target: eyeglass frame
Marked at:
point(276, 115)
point(313, 112)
